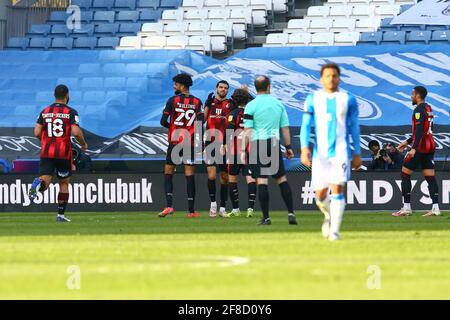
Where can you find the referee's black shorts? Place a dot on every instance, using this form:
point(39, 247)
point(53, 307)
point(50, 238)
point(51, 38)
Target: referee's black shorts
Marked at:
point(266, 159)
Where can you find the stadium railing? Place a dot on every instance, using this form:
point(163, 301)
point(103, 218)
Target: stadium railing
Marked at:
point(2, 33)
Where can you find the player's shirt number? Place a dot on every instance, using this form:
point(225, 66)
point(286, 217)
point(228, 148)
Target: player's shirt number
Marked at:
point(55, 128)
point(185, 117)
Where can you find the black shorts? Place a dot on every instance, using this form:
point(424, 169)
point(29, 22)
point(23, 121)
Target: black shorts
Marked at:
point(419, 161)
point(174, 158)
point(261, 164)
point(210, 159)
point(62, 167)
point(234, 169)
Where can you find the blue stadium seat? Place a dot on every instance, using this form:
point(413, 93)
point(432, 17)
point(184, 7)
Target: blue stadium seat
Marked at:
point(150, 15)
point(86, 30)
point(40, 43)
point(103, 4)
point(125, 4)
point(94, 97)
point(105, 16)
point(127, 16)
point(394, 37)
point(115, 83)
point(87, 16)
point(412, 27)
point(370, 38)
point(85, 43)
point(108, 43)
point(418, 37)
point(83, 4)
point(60, 30)
point(107, 29)
point(114, 68)
point(171, 4)
point(117, 96)
point(440, 36)
point(148, 4)
point(39, 30)
point(62, 43)
point(18, 43)
point(92, 83)
point(386, 25)
point(58, 17)
point(437, 27)
point(129, 28)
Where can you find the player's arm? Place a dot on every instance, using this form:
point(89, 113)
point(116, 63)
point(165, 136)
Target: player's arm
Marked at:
point(305, 131)
point(78, 134)
point(419, 119)
point(208, 103)
point(166, 114)
point(76, 130)
point(39, 126)
point(354, 132)
point(38, 130)
point(286, 133)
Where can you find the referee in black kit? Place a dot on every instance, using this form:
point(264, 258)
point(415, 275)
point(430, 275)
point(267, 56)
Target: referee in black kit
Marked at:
point(264, 116)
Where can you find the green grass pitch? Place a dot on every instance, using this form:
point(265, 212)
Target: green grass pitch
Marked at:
point(140, 256)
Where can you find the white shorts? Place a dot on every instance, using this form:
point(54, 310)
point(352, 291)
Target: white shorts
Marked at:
point(330, 172)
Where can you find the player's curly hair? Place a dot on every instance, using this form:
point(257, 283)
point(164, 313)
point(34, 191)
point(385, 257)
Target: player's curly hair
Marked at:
point(184, 79)
point(240, 97)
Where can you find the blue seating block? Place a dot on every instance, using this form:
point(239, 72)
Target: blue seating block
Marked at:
point(18, 43)
point(108, 43)
point(105, 16)
point(125, 4)
point(40, 43)
point(373, 38)
point(83, 4)
point(150, 15)
point(418, 37)
point(127, 16)
point(440, 36)
point(39, 30)
point(394, 37)
point(62, 43)
point(173, 4)
point(148, 4)
point(103, 4)
point(85, 43)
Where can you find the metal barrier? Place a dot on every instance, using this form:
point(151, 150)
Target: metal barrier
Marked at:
point(24, 13)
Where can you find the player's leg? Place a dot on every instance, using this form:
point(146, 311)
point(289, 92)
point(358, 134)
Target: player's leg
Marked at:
point(40, 184)
point(169, 169)
point(251, 189)
point(63, 198)
point(408, 168)
point(433, 188)
point(212, 172)
point(337, 207)
point(189, 172)
point(223, 193)
point(63, 172)
point(233, 173)
point(323, 203)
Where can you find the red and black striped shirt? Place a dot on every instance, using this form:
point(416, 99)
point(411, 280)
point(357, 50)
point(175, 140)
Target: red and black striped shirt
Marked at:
point(218, 111)
point(184, 111)
point(57, 120)
point(422, 129)
point(236, 123)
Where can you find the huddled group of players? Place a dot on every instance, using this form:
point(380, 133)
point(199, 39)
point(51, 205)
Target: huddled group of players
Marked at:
point(239, 131)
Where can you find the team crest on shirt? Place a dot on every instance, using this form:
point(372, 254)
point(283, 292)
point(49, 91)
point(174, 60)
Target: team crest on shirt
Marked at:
point(417, 115)
point(230, 118)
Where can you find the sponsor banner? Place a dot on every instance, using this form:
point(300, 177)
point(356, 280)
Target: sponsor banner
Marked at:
point(139, 192)
point(151, 142)
point(434, 12)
